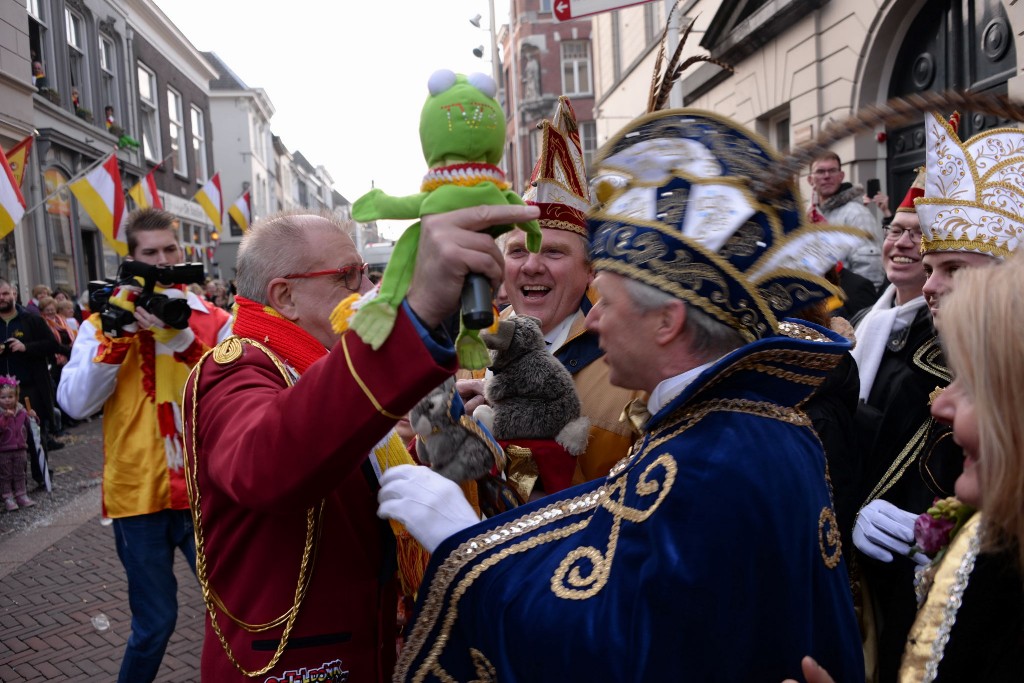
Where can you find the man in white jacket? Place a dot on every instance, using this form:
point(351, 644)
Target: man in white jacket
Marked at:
point(136, 374)
point(843, 204)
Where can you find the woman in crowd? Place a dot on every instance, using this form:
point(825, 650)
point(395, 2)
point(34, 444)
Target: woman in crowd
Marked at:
point(62, 333)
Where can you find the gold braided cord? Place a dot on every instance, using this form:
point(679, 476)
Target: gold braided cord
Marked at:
point(212, 600)
point(362, 384)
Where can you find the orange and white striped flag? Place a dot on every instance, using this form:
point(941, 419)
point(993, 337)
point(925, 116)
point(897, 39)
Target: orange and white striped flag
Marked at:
point(210, 198)
point(241, 211)
point(12, 204)
point(145, 194)
point(101, 195)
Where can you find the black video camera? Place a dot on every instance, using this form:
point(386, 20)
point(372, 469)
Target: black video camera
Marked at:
point(173, 312)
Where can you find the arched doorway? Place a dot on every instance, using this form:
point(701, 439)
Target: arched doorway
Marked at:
point(951, 44)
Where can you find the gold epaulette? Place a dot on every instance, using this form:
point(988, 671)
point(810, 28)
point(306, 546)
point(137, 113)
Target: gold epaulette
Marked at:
point(228, 351)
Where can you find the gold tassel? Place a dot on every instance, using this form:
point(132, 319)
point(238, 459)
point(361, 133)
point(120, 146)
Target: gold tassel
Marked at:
point(412, 557)
point(342, 314)
point(412, 560)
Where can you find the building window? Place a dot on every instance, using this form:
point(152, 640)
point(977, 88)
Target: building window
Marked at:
point(176, 133)
point(40, 47)
point(58, 219)
point(650, 22)
point(775, 127)
point(616, 47)
point(782, 134)
point(588, 141)
point(149, 116)
point(576, 67)
point(108, 78)
point(545, 6)
point(199, 145)
point(74, 27)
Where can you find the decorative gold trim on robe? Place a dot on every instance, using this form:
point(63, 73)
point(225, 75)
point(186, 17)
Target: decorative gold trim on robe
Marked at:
point(927, 640)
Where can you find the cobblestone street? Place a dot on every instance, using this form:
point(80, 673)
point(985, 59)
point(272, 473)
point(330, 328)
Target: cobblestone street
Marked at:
point(59, 572)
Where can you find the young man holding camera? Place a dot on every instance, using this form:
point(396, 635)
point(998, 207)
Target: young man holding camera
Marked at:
point(136, 373)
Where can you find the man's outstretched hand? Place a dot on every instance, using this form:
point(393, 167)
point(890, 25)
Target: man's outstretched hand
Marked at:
point(452, 245)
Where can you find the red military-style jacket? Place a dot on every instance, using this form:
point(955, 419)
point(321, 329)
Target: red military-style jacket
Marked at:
point(266, 462)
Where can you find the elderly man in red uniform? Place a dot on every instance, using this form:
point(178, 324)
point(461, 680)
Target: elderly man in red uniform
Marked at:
point(297, 569)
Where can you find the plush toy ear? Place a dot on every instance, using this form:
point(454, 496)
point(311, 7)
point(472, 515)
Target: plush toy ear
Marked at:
point(440, 81)
point(501, 339)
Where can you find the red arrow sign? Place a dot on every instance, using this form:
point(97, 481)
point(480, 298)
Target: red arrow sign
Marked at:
point(566, 10)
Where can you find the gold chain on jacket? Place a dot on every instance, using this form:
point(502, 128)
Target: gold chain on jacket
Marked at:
point(313, 527)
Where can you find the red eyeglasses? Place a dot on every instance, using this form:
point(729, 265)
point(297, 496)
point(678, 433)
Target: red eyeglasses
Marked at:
point(352, 275)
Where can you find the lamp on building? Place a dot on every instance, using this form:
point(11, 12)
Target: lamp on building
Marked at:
point(479, 51)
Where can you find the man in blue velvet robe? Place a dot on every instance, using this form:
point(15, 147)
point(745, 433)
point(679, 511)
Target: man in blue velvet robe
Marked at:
point(710, 553)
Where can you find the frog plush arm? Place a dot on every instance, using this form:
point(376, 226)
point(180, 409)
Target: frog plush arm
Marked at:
point(374, 322)
point(376, 204)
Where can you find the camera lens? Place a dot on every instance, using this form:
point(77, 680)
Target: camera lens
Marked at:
point(173, 312)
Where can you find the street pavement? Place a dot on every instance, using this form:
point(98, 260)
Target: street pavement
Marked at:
point(59, 572)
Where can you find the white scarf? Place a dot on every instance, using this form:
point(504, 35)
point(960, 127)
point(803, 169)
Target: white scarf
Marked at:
point(874, 331)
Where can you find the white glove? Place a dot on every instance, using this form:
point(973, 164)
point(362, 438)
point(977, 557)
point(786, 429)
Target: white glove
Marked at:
point(883, 529)
point(430, 506)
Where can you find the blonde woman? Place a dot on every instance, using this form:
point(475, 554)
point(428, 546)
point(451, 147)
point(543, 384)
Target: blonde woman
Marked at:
point(975, 591)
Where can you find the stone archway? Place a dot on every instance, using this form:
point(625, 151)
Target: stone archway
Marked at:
point(936, 45)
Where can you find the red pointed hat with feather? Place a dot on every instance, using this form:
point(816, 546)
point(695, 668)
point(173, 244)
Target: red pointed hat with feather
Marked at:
point(559, 181)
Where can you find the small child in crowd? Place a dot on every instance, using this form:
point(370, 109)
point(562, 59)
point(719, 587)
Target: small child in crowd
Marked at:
point(13, 446)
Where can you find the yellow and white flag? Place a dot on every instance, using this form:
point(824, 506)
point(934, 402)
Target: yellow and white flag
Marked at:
point(145, 193)
point(101, 195)
point(210, 198)
point(12, 204)
point(241, 211)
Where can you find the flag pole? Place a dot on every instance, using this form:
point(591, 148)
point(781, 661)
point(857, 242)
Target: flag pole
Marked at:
point(67, 182)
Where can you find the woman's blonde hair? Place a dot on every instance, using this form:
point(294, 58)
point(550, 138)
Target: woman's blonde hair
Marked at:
point(981, 334)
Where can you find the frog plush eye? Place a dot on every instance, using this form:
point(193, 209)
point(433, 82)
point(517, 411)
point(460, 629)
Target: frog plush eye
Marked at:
point(440, 81)
point(483, 83)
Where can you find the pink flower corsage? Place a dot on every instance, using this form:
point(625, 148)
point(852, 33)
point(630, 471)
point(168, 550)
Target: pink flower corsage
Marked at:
point(934, 529)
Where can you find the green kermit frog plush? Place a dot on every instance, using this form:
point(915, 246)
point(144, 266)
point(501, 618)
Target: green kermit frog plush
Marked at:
point(462, 131)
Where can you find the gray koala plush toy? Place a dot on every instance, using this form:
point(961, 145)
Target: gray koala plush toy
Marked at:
point(531, 394)
point(454, 444)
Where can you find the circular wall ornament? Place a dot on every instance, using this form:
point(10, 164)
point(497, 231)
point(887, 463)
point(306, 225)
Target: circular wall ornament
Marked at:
point(923, 71)
point(995, 39)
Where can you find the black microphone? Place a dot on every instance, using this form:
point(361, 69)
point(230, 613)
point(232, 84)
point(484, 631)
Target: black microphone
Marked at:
point(477, 311)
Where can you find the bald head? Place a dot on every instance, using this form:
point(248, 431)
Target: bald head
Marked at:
point(281, 244)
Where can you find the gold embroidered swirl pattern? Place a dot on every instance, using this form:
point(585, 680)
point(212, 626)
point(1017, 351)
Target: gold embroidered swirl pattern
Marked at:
point(570, 581)
point(829, 542)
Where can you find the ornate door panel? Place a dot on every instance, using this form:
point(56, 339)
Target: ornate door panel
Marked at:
point(952, 44)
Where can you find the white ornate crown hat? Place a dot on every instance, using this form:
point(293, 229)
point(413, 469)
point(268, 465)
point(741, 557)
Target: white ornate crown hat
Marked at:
point(974, 191)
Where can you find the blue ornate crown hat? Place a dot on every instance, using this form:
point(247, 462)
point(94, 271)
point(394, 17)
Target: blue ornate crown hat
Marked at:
point(679, 209)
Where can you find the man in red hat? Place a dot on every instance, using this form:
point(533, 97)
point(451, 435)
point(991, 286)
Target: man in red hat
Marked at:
point(899, 367)
point(554, 286)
